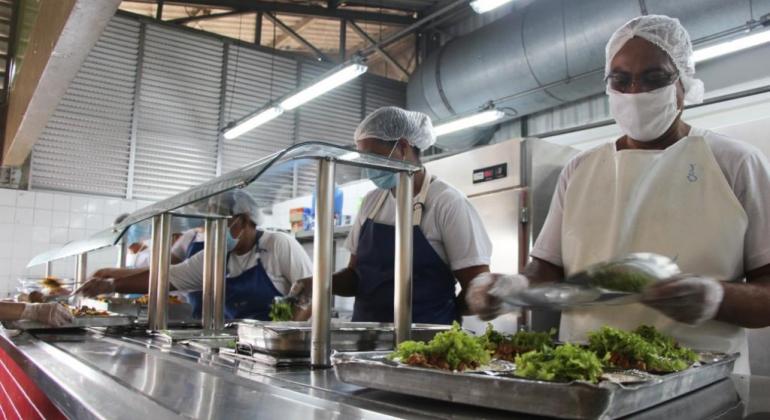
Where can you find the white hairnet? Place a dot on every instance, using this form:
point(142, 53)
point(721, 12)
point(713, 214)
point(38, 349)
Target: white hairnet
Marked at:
point(238, 202)
point(391, 123)
point(670, 36)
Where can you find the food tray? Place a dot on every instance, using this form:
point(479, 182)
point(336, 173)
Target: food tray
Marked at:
point(264, 358)
point(79, 322)
point(293, 338)
point(560, 296)
point(575, 400)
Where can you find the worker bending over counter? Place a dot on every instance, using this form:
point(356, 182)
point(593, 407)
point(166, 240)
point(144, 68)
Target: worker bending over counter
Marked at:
point(260, 266)
point(450, 242)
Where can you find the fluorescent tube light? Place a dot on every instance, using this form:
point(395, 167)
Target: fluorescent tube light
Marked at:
point(483, 6)
point(253, 122)
point(474, 120)
point(728, 47)
point(327, 83)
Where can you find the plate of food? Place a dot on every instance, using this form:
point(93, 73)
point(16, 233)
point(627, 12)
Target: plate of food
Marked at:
point(615, 374)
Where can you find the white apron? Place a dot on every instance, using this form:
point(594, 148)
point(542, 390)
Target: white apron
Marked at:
point(674, 202)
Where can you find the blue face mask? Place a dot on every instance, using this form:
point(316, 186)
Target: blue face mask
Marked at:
point(231, 241)
point(383, 179)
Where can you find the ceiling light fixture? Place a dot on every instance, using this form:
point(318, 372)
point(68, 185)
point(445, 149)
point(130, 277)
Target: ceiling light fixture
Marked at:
point(728, 47)
point(484, 117)
point(329, 81)
point(483, 6)
point(252, 122)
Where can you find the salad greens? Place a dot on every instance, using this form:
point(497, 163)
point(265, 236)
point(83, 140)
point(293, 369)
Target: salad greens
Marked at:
point(451, 350)
point(645, 349)
point(619, 279)
point(567, 362)
point(281, 310)
point(506, 347)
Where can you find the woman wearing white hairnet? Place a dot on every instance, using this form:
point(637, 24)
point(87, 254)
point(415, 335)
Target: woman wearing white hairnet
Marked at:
point(450, 242)
point(260, 266)
point(663, 187)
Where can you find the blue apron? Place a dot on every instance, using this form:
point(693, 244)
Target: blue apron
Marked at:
point(194, 248)
point(433, 285)
point(247, 296)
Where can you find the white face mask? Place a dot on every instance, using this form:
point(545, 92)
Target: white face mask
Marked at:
point(644, 116)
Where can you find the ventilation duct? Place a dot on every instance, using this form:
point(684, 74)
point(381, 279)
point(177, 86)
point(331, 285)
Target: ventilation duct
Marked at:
point(549, 53)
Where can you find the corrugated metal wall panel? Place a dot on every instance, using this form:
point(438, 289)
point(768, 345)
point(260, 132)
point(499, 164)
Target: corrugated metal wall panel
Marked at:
point(85, 145)
point(584, 111)
point(383, 92)
point(178, 120)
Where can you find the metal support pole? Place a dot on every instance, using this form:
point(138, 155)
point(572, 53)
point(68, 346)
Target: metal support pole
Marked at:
point(49, 269)
point(81, 272)
point(323, 266)
point(402, 298)
point(343, 40)
point(164, 262)
point(220, 251)
point(207, 313)
point(122, 253)
point(152, 287)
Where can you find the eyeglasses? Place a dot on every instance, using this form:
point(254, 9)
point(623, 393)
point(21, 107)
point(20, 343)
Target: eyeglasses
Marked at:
point(647, 81)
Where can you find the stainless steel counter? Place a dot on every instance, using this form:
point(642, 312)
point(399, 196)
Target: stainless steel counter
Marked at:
point(91, 375)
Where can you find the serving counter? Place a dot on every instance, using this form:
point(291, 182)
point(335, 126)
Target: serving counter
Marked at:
point(95, 374)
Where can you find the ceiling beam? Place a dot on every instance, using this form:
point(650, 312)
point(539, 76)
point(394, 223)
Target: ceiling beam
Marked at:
point(189, 19)
point(57, 48)
point(392, 61)
point(302, 10)
point(296, 27)
point(297, 37)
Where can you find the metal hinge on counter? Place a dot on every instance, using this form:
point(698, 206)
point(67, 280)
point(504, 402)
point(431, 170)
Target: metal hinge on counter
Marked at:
point(10, 177)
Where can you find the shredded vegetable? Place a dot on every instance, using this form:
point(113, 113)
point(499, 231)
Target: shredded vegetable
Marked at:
point(565, 363)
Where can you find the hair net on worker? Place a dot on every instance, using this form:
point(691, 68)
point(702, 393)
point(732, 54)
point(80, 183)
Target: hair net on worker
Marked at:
point(392, 123)
point(668, 34)
point(138, 233)
point(237, 202)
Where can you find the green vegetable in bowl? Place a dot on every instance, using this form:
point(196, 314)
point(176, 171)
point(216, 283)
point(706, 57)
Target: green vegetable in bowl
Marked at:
point(645, 349)
point(507, 347)
point(620, 279)
point(281, 310)
point(450, 350)
point(565, 363)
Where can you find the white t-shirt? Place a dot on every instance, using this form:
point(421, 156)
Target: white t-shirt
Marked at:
point(449, 222)
point(747, 172)
point(179, 250)
point(282, 257)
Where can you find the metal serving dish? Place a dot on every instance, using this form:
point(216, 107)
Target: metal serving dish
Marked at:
point(79, 322)
point(574, 400)
point(293, 338)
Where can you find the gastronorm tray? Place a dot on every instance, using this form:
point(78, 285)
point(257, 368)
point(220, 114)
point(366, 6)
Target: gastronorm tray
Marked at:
point(78, 322)
point(575, 400)
point(292, 338)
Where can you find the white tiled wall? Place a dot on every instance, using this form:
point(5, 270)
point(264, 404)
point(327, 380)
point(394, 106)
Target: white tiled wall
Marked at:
point(34, 222)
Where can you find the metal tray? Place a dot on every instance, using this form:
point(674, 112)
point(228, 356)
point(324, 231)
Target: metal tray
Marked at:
point(264, 359)
point(293, 338)
point(78, 322)
point(574, 400)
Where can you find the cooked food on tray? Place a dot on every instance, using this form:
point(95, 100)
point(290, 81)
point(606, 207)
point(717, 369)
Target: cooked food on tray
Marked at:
point(281, 310)
point(86, 311)
point(449, 350)
point(645, 349)
point(145, 299)
point(507, 347)
point(564, 363)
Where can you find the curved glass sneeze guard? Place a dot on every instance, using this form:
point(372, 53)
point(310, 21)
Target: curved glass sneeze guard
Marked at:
point(268, 180)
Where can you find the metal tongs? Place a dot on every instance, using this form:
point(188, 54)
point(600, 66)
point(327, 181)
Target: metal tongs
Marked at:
point(585, 288)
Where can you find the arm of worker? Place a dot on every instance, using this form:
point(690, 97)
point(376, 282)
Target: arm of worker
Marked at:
point(188, 275)
point(694, 299)
point(48, 313)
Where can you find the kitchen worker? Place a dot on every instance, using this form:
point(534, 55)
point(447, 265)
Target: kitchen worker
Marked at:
point(189, 243)
point(450, 242)
point(139, 250)
point(665, 187)
point(54, 313)
point(260, 265)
